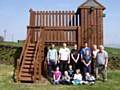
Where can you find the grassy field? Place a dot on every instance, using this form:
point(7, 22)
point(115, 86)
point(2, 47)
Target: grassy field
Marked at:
point(9, 53)
point(13, 44)
point(6, 82)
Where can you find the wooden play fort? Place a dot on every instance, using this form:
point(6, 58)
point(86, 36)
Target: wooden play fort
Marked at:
point(46, 27)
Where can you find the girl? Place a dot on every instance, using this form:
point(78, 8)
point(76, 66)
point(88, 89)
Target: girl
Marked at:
point(56, 76)
point(77, 79)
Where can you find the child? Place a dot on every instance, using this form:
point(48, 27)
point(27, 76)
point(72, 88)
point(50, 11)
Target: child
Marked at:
point(89, 79)
point(71, 72)
point(56, 76)
point(66, 78)
point(77, 78)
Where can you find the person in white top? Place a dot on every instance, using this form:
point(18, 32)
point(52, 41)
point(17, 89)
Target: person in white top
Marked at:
point(95, 50)
point(64, 57)
point(77, 79)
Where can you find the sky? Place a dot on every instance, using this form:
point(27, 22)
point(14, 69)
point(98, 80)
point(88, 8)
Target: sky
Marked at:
point(14, 16)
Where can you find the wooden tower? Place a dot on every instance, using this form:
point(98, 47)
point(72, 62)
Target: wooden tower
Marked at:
point(91, 22)
point(46, 27)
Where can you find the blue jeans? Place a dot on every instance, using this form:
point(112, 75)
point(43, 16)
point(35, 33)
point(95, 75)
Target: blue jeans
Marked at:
point(51, 66)
point(76, 82)
point(56, 82)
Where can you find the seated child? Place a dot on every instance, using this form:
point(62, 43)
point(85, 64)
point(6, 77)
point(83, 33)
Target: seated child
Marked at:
point(89, 79)
point(56, 76)
point(71, 72)
point(77, 79)
point(65, 78)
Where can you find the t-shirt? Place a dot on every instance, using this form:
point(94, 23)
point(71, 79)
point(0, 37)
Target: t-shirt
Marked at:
point(64, 53)
point(87, 58)
point(78, 77)
point(101, 57)
point(52, 54)
point(82, 52)
point(57, 74)
point(71, 73)
point(75, 53)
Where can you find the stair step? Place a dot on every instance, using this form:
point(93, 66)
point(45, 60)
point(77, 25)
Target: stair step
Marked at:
point(30, 48)
point(26, 78)
point(26, 74)
point(28, 59)
point(28, 66)
point(27, 70)
point(30, 52)
point(28, 62)
point(31, 45)
point(29, 55)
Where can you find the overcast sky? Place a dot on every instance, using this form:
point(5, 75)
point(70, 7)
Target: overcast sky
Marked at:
point(14, 16)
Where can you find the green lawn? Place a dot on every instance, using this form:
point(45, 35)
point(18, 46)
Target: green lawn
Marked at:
point(6, 82)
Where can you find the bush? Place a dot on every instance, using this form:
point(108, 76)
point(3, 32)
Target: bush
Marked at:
point(9, 54)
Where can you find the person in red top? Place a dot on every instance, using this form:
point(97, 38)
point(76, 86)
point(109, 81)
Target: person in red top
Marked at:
point(56, 76)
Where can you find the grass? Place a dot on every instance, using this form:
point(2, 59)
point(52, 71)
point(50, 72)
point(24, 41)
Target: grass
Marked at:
point(113, 51)
point(6, 82)
point(13, 44)
point(6, 74)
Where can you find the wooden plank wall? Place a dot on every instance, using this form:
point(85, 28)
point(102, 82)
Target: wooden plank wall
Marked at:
point(91, 26)
point(61, 35)
point(56, 35)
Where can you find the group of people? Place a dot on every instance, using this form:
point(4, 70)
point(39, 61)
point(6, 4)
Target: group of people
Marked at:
point(77, 66)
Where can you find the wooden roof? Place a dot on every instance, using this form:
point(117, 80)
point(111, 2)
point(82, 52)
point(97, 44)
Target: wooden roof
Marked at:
point(91, 3)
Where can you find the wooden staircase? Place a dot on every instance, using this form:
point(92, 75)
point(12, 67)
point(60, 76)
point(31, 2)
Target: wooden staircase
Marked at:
point(27, 69)
point(29, 63)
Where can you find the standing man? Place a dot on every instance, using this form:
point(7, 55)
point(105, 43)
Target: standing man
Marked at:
point(51, 59)
point(75, 56)
point(101, 63)
point(82, 51)
point(64, 57)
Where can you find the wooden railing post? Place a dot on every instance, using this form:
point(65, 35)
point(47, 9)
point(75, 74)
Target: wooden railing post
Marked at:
point(17, 71)
point(79, 37)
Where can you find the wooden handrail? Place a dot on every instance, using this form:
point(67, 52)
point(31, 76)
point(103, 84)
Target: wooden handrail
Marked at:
point(37, 52)
point(19, 61)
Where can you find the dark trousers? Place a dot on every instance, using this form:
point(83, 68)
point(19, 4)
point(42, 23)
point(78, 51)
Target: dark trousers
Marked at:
point(86, 69)
point(76, 65)
point(93, 64)
point(51, 67)
point(63, 66)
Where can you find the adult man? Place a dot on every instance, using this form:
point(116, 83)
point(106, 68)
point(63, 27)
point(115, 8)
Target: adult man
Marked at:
point(51, 59)
point(82, 51)
point(64, 57)
point(101, 63)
